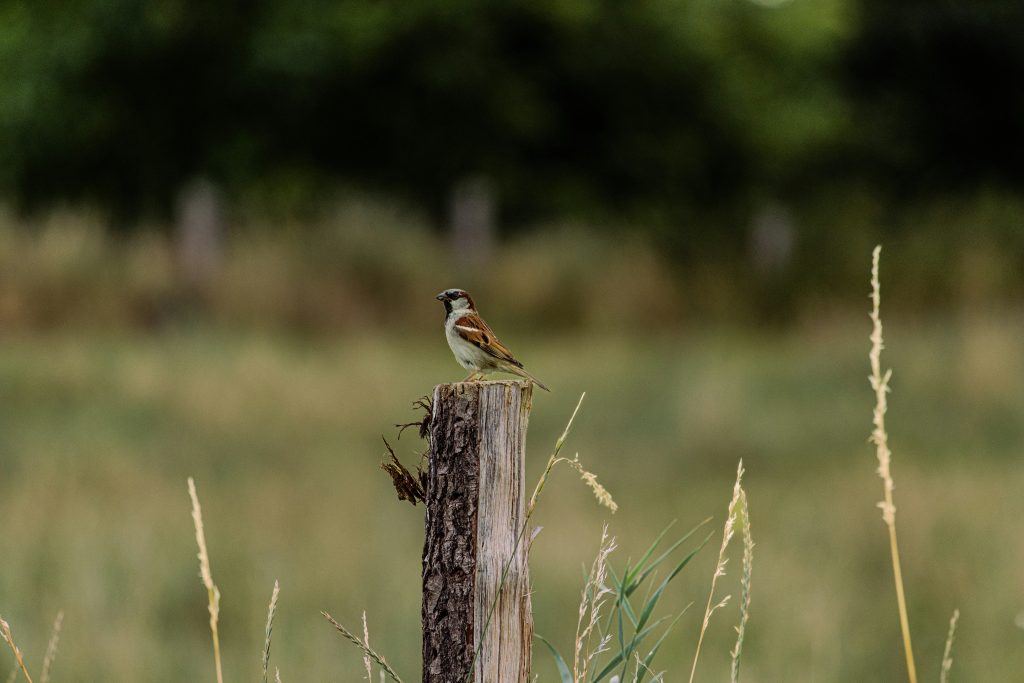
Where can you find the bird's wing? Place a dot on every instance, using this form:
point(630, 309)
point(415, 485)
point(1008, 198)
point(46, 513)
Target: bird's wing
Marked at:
point(474, 330)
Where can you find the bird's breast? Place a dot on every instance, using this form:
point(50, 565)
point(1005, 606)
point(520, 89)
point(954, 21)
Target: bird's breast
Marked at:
point(466, 353)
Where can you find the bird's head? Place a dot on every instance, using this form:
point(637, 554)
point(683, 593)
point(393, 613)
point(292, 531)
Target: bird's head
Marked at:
point(455, 300)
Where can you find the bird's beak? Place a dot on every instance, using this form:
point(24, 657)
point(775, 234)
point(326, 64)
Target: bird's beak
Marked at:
point(441, 296)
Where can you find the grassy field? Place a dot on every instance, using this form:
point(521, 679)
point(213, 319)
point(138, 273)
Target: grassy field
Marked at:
point(98, 432)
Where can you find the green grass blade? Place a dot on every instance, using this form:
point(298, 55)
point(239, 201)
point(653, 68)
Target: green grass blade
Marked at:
point(645, 614)
point(654, 650)
point(635, 577)
point(653, 601)
point(617, 604)
point(661, 558)
point(621, 602)
point(640, 625)
point(617, 659)
point(563, 668)
point(627, 577)
point(622, 640)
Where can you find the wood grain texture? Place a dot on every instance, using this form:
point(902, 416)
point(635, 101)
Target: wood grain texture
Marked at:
point(475, 513)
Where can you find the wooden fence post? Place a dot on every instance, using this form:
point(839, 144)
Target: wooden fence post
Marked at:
point(474, 525)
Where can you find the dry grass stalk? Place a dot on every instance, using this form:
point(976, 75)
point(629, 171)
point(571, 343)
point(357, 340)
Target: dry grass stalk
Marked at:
point(271, 611)
point(352, 638)
point(212, 593)
point(367, 662)
point(879, 436)
point(51, 647)
point(595, 590)
point(727, 534)
point(600, 492)
point(640, 666)
point(553, 460)
point(277, 675)
point(947, 655)
point(590, 479)
point(5, 632)
point(748, 570)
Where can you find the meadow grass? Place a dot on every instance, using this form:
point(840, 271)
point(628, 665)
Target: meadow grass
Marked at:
point(586, 651)
point(106, 426)
point(596, 592)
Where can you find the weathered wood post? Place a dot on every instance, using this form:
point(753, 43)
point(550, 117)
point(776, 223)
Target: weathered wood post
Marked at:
point(474, 525)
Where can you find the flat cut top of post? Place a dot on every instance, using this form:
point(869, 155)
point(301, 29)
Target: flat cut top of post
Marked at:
point(517, 383)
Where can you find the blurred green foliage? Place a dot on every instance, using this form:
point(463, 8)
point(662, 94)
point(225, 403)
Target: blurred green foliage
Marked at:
point(679, 113)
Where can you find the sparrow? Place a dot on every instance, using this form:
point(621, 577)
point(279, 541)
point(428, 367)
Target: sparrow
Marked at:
point(472, 341)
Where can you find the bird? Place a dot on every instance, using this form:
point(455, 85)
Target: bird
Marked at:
point(474, 344)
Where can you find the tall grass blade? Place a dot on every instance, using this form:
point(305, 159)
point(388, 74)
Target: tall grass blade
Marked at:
point(367, 662)
point(614, 662)
point(661, 558)
point(621, 601)
point(212, 593)
point(622, 643)
point(947, 656)
point(748, 571)
point(639, 573)
point(563, 668)
point(352, 638)
point(640, 626)
point(641, 672)
point(880, 383)
point(727, 534)
point(628, 575)
point(653, 600)
point(5, 633)
point(51, 647)
point(271, 611)
point(591, 602)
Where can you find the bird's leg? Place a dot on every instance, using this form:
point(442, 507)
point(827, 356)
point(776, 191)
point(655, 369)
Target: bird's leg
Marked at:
point(472, 376)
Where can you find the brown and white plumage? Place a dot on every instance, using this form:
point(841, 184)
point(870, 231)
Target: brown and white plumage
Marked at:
point(473, 342)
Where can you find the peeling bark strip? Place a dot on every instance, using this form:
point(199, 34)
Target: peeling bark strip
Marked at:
point(475, 513)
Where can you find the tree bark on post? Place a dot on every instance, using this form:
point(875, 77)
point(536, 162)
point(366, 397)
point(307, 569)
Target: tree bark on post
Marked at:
point(474, 530)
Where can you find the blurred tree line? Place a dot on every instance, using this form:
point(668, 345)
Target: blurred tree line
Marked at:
point(666, 113)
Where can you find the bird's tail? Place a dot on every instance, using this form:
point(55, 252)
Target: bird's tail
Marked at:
point(515, 370)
